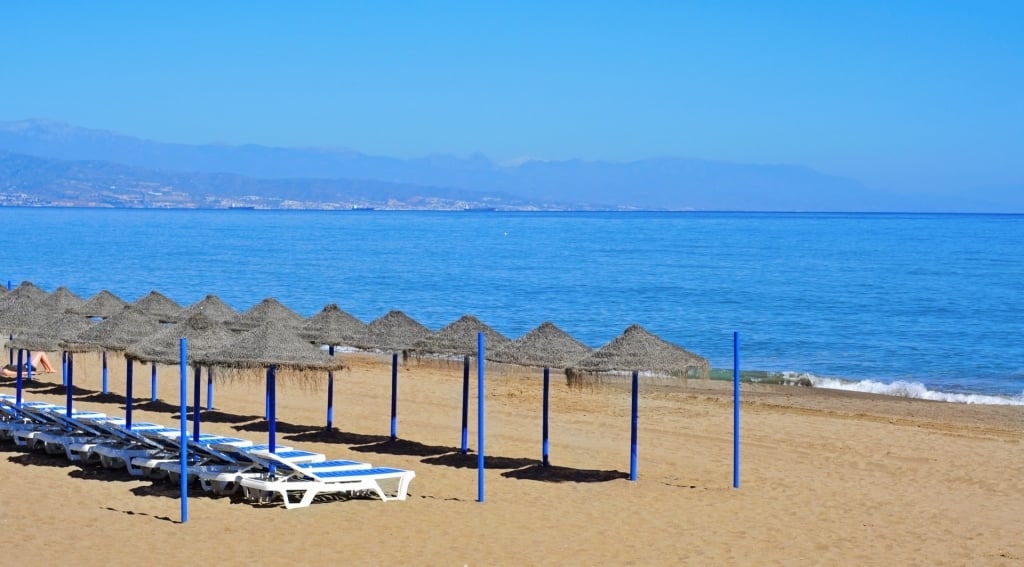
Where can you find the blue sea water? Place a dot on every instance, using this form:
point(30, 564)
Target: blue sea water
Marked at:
point(921, 305)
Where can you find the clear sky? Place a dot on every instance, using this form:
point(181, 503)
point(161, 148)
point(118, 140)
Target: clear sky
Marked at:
point(906, 94)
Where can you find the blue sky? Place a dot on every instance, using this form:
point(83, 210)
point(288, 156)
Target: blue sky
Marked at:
point(905, 95)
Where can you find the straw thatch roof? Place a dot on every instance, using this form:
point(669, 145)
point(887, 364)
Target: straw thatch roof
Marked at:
point(51, 332)
point(159, 305)
point(270, 345)
point(547, 345)
point(212, 307)
point(116, 332)
point(394, 331)
point(459, 337)
point(61, 300)
point(269, 310)
point(104, 304)
point(204, 337)
point(20, 311)
point(28, 289)
point(332, 326)
point(638, 350)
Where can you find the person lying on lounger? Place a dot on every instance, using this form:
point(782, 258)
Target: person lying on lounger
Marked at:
point(39, 360)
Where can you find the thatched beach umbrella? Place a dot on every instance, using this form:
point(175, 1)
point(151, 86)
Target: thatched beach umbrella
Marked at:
point(48, 336)
point(546, 346)
point(332, 327)
point(159, 306)
point(212, 307)
point(271, 347)
point(20, 311)
point(460, 338)
point(115, 333)
point(638, 350)
point(163, 347)
point(62, 299)
point(102, 305)
point(632, 351)
point(269, 310)
point(395, 332)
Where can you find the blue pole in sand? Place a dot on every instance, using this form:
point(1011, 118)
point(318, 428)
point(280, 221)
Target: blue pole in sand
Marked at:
point(183, 452)
point(480, 416)
point(129, 383)
point(197, 380)
point(394, 396)
point(71, 388)
point(18, 384)
point(64, 367)
point(152, 382)
point(735, 409)
point(633, 427)
point(209, 388)
point(104, 372)
point(71, 383)
point(272, 417)
point(330, 392)
point(544, 429)
point(465, 405)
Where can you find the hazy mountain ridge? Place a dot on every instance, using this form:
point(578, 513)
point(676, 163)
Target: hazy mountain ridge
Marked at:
point(308, 174)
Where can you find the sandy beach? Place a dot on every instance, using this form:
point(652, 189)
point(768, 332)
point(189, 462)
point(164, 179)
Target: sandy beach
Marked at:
point(828, 478)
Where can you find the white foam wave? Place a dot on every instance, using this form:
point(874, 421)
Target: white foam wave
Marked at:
point(904, 389)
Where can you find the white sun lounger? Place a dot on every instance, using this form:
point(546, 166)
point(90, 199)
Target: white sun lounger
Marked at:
point(291, 481)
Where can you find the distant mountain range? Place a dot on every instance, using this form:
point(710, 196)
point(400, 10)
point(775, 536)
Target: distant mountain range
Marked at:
point(48, 159)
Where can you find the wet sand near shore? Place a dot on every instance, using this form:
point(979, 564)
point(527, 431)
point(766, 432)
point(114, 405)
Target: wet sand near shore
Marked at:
point(827, 478)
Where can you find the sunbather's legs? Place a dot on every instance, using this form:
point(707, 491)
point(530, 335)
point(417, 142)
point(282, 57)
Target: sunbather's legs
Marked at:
point(40, 360)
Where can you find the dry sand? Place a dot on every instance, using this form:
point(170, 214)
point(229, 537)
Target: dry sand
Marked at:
point(828, 478)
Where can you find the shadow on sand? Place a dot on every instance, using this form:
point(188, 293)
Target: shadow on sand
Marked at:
point(337, 437)
point(404, 447)
point(563, 474)
point(469, 460)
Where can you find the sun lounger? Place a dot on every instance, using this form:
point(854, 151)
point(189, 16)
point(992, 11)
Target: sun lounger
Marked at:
point(298, 486)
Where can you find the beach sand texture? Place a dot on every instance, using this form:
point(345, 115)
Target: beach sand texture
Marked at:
point(828, 478)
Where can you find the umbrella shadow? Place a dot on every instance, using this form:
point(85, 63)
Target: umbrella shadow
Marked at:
point(165, 489)
point(554, 473)
point(460, 460)
point(108, 398)
point(62, 390)
point(282, 427)
point(335, 436)
point(217, 416)
point(160, 406)
point(405, 448)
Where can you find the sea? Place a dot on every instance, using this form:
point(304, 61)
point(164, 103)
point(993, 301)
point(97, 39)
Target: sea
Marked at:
point(916, 305)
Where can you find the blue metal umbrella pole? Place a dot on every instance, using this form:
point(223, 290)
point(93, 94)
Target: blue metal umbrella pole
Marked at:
point(735, 410)
point(330, 392)
point(209, 388)
point(272, 413)
point(544, 428)
point(64, 367)
point(104, 389)
point(71, 384)
point(633, 428)
point(18, 385)
point(465, 405)
point(152, 382)
point(183, 451)
point(394, 396)
point(129, 386)
point(480, 417)
point(196, 390)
